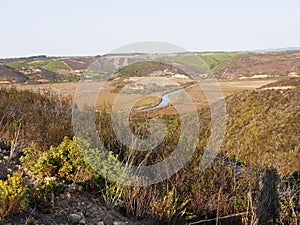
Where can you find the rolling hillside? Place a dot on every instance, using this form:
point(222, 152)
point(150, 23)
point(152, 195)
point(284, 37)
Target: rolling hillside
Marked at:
point(225, 65)
point(43, 69)
point(261, 65)
point(263, 126)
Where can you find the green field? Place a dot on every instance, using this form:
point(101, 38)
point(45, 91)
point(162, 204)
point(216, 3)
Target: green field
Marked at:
point(215, 61)
point(51, 65)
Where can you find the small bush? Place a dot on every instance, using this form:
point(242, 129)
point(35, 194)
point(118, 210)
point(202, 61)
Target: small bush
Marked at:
point(137, 199)
point(44, 194)
point(12, 195)
point(169, 209)
point(65, 161)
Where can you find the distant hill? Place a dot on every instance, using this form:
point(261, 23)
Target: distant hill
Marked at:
point(224, 65)
point(277, 49)
point(43, 69)
point(9, 75)
point(261, 65)
point(148, 68)
point(234, 65)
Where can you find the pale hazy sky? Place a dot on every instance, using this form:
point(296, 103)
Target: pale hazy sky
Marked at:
point(89, 27)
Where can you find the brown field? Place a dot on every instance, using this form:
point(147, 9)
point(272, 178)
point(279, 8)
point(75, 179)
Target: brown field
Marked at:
point(62, 89)
point(108, 96)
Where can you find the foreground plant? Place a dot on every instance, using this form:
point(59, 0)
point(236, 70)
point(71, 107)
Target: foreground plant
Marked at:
point(169, 209)
point(12, 195)
point(65, 161)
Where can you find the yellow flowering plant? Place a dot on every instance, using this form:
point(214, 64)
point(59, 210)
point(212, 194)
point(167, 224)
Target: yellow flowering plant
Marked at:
point(12, 194)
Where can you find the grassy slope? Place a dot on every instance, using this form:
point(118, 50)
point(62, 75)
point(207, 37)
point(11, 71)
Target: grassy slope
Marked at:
point(51, 65)
point(212, 61)
point(17, 65)
point(215, 61)
point(263, 128)
point(134, 69)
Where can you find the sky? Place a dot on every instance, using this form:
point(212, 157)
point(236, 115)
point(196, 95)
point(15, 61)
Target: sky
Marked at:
point(92, 27)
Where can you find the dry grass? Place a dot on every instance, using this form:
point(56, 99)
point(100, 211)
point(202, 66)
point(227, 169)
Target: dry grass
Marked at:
point(62, 89)
point(108, 94)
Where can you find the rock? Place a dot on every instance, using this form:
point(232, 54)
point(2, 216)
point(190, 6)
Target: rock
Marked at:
point(82, 221)
point(120, 223)
point(68, 195)
point(75, 187)
point(4, 146)
point(100, 223)
point(3, 172)
point(76, 218)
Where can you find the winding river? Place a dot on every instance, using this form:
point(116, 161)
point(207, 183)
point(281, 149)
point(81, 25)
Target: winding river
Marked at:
point(165, 98)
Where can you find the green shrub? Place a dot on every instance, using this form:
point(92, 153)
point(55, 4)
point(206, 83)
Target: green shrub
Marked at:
point(65, 161)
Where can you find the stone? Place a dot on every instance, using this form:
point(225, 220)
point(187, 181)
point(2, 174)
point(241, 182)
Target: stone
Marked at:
point(120, 223)
point(82, 221)
point(3, 172)
point(68, 195)
point(75, 218)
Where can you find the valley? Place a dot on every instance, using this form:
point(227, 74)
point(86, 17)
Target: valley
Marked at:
point(42, 155)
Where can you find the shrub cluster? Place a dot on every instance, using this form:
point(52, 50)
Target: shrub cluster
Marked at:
point(64, 161)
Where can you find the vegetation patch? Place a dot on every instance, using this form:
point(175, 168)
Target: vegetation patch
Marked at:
point(12, 195)
point(216, 61)
point(51, 65)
